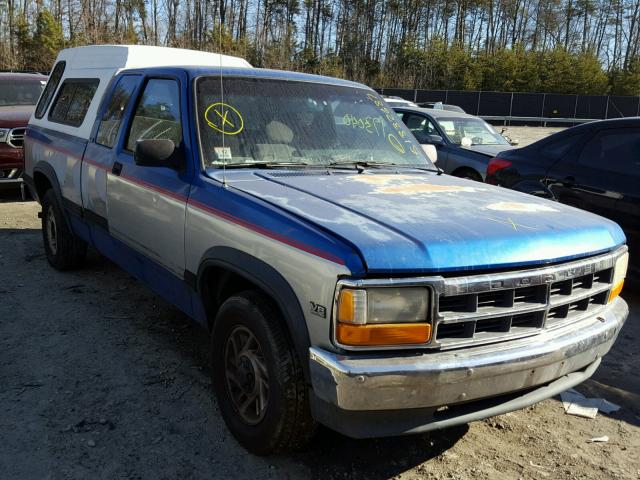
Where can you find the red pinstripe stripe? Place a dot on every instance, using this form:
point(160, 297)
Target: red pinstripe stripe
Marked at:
point(93, 163)
point(61, 150)
point(155, 188)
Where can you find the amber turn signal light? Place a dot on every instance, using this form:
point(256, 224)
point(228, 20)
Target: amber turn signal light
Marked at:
point(383, 334)
point(616, 290)
point(352, 307)
point(619, 274)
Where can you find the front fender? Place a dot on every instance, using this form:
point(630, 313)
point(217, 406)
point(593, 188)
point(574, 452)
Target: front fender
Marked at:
point(272, 282)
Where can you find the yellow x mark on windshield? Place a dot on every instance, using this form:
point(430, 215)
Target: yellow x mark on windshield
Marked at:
point(224, 118)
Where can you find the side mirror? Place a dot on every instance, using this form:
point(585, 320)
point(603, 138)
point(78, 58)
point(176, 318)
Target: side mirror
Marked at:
point(157, 152)
point(431, 152)
point(434, 140)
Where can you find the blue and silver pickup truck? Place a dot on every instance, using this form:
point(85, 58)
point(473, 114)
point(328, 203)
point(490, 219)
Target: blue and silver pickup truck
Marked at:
point(343, 280)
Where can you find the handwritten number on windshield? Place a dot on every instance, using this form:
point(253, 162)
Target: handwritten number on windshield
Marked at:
point(399, 137)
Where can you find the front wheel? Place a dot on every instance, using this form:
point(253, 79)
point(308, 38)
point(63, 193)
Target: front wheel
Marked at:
point(64, 250)
point(257, 377)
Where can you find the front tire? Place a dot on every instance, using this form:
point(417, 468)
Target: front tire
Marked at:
point(64, 250)
point(258, 378)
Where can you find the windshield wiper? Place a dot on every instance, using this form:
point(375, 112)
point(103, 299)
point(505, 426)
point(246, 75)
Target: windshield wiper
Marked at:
point(261, 164)
point(361, 165)
point(437, 170)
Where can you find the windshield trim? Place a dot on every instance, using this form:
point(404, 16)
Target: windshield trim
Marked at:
point(353, 85)
point(278, 75)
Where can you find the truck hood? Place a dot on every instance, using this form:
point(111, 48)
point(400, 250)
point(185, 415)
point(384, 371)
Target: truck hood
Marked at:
point(15, 116)
point(490, 150)
point(423, 222)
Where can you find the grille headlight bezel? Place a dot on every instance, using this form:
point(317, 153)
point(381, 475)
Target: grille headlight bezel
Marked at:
point(375, 305)
point(383, 316)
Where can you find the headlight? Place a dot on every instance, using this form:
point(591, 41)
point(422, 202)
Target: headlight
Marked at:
point(3, 134)
point(619, 274)
point(383, 316)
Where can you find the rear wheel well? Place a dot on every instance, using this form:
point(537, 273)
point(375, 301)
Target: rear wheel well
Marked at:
point(41, 183)
point(218, 284)
point(467, 172)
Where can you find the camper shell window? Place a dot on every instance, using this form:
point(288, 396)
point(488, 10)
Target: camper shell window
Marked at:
point(73, 101)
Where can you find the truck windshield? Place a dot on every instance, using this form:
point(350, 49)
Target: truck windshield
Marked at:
point(20, 92)
point(294, 123)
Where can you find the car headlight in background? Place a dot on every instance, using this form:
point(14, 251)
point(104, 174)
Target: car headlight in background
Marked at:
point(384, 316)
point(3, 134)
point(619, 274)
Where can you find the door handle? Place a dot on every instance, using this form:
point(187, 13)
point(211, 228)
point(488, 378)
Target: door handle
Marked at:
point(117, 168)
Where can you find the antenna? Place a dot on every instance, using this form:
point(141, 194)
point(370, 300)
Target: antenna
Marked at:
point(224, 152)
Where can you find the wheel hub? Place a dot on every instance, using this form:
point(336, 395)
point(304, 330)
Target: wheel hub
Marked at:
point(246, 375)
point(52, 231)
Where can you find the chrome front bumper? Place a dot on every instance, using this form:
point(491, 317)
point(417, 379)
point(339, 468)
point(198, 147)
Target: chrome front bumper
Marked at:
point(370, 382)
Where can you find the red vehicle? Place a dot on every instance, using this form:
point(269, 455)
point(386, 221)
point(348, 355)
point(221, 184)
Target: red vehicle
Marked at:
point(19, 93)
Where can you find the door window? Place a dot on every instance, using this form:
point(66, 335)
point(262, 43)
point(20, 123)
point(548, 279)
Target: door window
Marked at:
point(112, 117)
point(615, 150)
point(420, 126)
point(157, 115)
point(558, 148)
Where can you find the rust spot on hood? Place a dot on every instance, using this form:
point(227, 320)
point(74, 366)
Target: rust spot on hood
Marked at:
point(411, 188)
point(379, 179)
point(407, 185)
point(520, 207)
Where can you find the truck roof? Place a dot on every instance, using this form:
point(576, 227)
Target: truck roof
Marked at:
point(120, 57)
point(265, 73)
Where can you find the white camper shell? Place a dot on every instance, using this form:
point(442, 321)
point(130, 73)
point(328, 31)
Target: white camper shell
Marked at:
point(103, 62)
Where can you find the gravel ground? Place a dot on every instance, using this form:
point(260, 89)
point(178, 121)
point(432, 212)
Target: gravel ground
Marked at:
point(100, 378)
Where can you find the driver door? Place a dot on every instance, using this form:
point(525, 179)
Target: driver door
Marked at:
point(146, 205)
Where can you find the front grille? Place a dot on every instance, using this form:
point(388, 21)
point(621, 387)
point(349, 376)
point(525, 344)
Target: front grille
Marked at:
point(494, 307)
point(15, 138)
point(9, 173)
